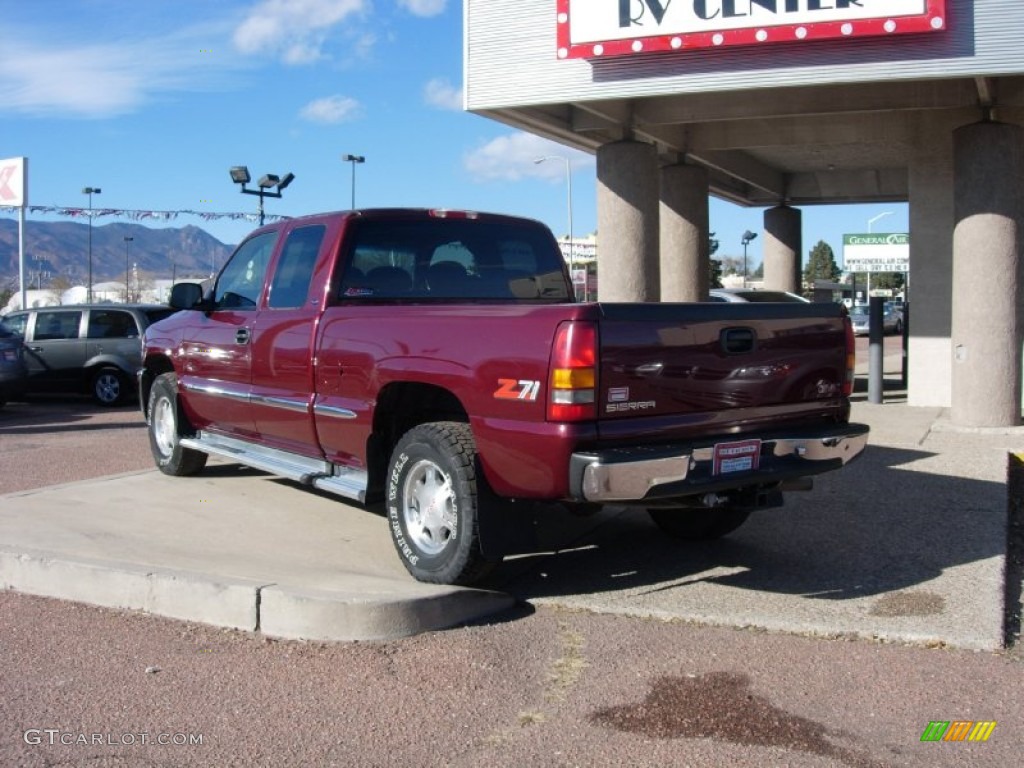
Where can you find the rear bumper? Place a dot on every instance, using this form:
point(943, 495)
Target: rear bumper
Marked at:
point(649, 473)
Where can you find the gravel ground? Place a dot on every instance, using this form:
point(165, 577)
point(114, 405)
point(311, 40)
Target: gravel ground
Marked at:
point(85, 686)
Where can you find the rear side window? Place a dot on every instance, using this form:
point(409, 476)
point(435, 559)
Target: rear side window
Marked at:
point(444, 258)
point(112, 324)
point(53, 326)
point(240, 284)
point(16, 323)
point(294, 272)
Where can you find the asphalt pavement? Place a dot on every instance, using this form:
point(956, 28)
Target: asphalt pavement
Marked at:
point(842, 629)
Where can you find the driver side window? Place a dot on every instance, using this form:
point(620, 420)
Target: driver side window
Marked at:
point(240, 284)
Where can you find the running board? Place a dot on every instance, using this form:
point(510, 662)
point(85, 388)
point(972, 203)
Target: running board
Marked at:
point(319, 473)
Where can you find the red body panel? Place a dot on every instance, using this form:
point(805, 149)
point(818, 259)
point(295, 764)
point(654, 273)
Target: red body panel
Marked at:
point(310, 378)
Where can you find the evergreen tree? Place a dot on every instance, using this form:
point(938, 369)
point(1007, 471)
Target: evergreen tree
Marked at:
point(821, 264)
point(715, 273)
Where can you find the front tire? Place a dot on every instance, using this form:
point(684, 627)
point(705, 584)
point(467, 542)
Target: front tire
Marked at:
point(699, 524)
point(433, 504)
point(166, 426)
point(108, 387)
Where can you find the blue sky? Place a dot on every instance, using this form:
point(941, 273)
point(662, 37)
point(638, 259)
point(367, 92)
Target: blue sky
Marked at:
point(152, 101)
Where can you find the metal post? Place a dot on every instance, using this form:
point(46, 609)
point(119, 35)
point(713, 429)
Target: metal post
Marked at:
point(876, 339)
point(127, 271)
point(90, 191)
point(354, 159)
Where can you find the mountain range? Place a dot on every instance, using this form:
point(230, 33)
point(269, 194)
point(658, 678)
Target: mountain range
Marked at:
point(62, 248)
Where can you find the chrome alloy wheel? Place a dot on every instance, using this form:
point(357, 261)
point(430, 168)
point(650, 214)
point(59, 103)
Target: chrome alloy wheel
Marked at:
point(164, 426)
point(429, 507)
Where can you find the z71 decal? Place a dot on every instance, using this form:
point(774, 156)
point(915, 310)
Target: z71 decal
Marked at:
point(517, 389)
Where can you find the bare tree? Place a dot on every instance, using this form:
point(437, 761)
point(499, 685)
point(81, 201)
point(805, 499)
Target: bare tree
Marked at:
point(58, 286)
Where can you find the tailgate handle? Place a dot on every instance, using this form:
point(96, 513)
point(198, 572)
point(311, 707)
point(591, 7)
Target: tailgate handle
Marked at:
point(738, 341)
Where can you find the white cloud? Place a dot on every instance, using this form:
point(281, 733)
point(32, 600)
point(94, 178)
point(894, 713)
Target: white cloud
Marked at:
point(423, 7)
point(513, 157)
point(332, 109)
point(440, 93)
point(293, 29)
point(103, 79)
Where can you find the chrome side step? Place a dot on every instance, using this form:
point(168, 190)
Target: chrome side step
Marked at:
point(319, 473)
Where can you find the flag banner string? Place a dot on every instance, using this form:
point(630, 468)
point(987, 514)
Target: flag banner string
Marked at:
point(141, 215)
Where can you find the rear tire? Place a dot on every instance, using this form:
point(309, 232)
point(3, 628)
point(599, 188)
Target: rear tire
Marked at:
point(108, 387)
point(433, 504)
point(167, 424)
point(699, 524)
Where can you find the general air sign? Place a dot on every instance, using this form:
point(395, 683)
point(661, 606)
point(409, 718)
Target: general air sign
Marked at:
point(595, 28)
point(876, 253)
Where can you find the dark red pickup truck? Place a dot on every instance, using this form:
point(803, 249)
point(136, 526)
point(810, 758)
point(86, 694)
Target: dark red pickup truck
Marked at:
point(435, 360)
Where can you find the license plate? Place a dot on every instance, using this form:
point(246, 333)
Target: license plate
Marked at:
point(740, 456)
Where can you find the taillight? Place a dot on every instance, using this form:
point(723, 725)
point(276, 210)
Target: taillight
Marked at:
point(573, 378)
point(851, 358)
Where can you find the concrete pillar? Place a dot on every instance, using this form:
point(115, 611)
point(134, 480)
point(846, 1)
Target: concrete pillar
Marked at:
point(683, 228)
point(930, 280)
point(988, 163)
point(627, 222)
point(783, 249)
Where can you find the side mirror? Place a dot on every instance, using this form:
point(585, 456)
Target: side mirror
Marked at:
point(185, 296)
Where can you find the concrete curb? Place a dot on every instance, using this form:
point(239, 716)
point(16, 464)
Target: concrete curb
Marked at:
point(321, 615)
point(175, 594)
point(386, 613)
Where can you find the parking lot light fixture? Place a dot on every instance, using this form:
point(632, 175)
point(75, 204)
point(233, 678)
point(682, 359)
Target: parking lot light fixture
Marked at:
point(90, 191)
point(268, 182)
point(747, 237)
point(568, 192)
point(355, 160)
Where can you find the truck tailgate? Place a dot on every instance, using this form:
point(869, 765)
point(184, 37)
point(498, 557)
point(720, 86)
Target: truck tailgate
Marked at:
point(712, 365)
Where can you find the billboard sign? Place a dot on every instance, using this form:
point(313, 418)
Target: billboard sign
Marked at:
point(883, 252)
point(596, 28)
point(14, 182)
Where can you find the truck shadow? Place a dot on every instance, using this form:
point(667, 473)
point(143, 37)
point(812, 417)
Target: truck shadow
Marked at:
point(875, 527)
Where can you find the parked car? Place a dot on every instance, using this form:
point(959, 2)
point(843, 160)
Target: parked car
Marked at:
point(93, 349)
point(892, 320)
point(13, 376)
point(737, 295)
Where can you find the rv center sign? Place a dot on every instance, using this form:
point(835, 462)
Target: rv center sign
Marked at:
point(596, 28)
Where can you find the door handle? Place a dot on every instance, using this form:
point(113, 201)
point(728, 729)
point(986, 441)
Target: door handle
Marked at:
point(35, 349)
point(242, 336)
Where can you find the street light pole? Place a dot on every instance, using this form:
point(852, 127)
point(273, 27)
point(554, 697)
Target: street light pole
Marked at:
point(90, 191)
point(747, 237)
point(568, 193)
point(127, 270)
point(354, 159)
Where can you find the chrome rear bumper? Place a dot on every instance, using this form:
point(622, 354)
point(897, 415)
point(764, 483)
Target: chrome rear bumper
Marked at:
point(663, 472)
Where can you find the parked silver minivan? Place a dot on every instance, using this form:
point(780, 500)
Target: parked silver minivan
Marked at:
point(93, 349)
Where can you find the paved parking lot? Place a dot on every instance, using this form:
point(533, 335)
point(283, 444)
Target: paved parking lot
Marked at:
point(906, 538)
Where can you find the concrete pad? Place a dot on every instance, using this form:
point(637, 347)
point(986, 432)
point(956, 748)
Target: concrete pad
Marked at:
point(231, 547)
point(908, 543)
